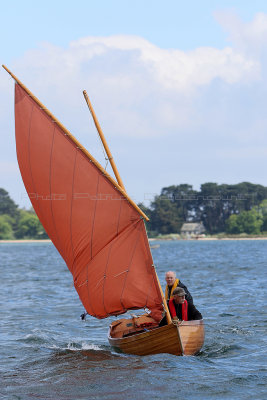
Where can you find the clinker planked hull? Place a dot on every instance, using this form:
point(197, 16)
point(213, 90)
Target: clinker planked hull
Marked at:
point(192, 334)
point(187, 339)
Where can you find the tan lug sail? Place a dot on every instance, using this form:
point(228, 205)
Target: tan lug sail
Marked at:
point(98, 230)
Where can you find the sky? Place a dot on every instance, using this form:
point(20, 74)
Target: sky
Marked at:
point(179, 88)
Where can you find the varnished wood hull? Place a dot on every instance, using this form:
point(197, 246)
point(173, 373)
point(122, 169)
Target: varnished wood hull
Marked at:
point(186, 339)
point(192, 335)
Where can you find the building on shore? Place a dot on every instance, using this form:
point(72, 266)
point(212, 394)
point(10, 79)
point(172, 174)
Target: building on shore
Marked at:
point(192, 230)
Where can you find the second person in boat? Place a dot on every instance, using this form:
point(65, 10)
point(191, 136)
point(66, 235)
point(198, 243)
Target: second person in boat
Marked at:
point(173, 283)
point(180, 309)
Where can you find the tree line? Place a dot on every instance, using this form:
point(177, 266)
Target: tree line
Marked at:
point(232, 209)
point(16, 223)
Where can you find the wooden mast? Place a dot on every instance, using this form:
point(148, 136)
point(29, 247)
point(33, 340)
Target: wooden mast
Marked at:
point(78, 145)
point(103, 140)
point(168, 315)
point(116, 172)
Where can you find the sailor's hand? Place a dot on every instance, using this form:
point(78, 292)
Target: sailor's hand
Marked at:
point(176, 321)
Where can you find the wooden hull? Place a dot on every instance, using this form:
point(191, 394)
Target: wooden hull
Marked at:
point(185, 339)
point(192, 335)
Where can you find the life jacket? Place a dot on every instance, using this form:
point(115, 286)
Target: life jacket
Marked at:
point(184, 310)
point(174, 286)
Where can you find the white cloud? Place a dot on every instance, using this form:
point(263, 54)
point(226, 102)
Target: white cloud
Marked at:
point(160, 104)
point(249, 37)
point(140, 86)
point(173, 69)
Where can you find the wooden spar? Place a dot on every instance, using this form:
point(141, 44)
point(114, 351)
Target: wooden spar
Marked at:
point(75, 141)
point(103, 140)
point(116, 172)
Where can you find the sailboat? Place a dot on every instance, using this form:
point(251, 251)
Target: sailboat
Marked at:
point(98, 230)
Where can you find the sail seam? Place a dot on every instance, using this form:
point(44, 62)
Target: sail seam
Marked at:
point(29, 158)
point(71, 207)
point(91, 247)
point(113, 238)
point(106, 267)
point(93, 224)
point(129, 267)
point(87, 280)
point(50, 185)
point(29, 153)
point(111, 244)
point(123, 272)
point(119, 216)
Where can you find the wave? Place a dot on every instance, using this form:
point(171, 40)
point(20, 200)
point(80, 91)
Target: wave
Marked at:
point(218, 351)
point(37, 337)
point(72, 346)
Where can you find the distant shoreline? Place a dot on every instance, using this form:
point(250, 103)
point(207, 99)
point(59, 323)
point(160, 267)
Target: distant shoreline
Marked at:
point(150, 239)
point(246, 238)
point(209, 239)
point(26, 241)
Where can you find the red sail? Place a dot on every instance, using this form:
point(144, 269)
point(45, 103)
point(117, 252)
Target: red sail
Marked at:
point(98, 233)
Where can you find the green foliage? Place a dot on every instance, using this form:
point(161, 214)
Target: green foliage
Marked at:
point(166, 218)
point(6, 230)
point(16, 223)
point(145, 209)
point(232, 225)
point(262, 209)
point(169, 210)
point(29, 226)
point(213, 205)
point(251, 221)
point(218, 202)
point(235, 209)
point(7, 205)
point(246, 222)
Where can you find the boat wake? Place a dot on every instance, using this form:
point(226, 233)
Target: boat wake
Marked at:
point(83, 351)
point(221, 351)
point(75, 346)
point(37, 337)
point(83, 346)
point(47, 340)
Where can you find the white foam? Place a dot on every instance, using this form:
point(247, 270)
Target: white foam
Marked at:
point(84, 346)
point(76, 346)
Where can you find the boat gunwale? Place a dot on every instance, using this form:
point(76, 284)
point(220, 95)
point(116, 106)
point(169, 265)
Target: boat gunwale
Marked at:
point(192, 322)
point(137, 335)
point(161, 334)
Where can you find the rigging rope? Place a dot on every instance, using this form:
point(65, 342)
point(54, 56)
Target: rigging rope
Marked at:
point(104, 151)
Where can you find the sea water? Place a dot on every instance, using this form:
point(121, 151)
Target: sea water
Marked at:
point(47, 352)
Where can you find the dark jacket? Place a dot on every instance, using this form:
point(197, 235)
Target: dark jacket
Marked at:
point(188, 296)
point(192, 312)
